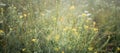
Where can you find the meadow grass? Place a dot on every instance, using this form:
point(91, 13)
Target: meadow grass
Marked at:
point(62, 27)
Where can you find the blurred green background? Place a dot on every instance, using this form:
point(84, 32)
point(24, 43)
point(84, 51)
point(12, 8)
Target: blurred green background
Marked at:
point(59, 26)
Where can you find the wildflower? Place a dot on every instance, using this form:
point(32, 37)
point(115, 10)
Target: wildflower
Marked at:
point(95, 52)
point(2, 9)
point(87, 21)
point(84, 15)
point(72, 7)
point(57, 37)
point(80, 27)
point(28, 13)
point(24, 15)
point(34, 40)
point(11, 29)
point(21, 16)
point(54, 19)
point(86, 27)
point(2, 4)
point(89, 18)
point(45, 3)
point(66, 28)
point(76, 33)
point(1, 31)
point(48, 38)
point(88, 14)
point(90, 48)
point(62, 51)
point(74, 29)
point(118, 48)
point(61, 19)
point(42, 14)
point(23, 49)
point(95, 29)
point(1, 22)
point(69, 48)
point(94, 23)
point(56, 49)
point(14, 7)
point(109, 37)
point(79, 15)
point(86, 11)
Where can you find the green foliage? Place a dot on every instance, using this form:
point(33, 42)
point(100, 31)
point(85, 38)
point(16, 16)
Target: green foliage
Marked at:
point(59, 26)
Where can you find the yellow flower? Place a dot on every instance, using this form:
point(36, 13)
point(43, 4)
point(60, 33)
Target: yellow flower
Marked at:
point(72, 7)
point(74, 29)
point(23, 49)
point(57, 37)
point(86, 27)
point(45, 3)
point(62, 51)
point(76, 33)
point(1, 31)
point(61, 19)
point(24, 15)
point(95, 52)
point(94, 23)
point(21, 16)
point(84, 15)
point(56, 49)
point(34, 40)
point(2, 9)
point(54, 19)
point(11, 29)
point(90, 48)
point(95, 29)
point(66, 28)
point(118, 48)
point(87, 21)
point(42, 14)
point(14, 7)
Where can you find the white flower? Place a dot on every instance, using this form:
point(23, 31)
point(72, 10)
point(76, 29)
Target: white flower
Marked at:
point(86, 11)
point(2, 4)
point(89, 18)
point(88, 14)
point(79, 15)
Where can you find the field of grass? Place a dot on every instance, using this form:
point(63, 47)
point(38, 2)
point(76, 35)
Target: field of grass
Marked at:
point(59, 26)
